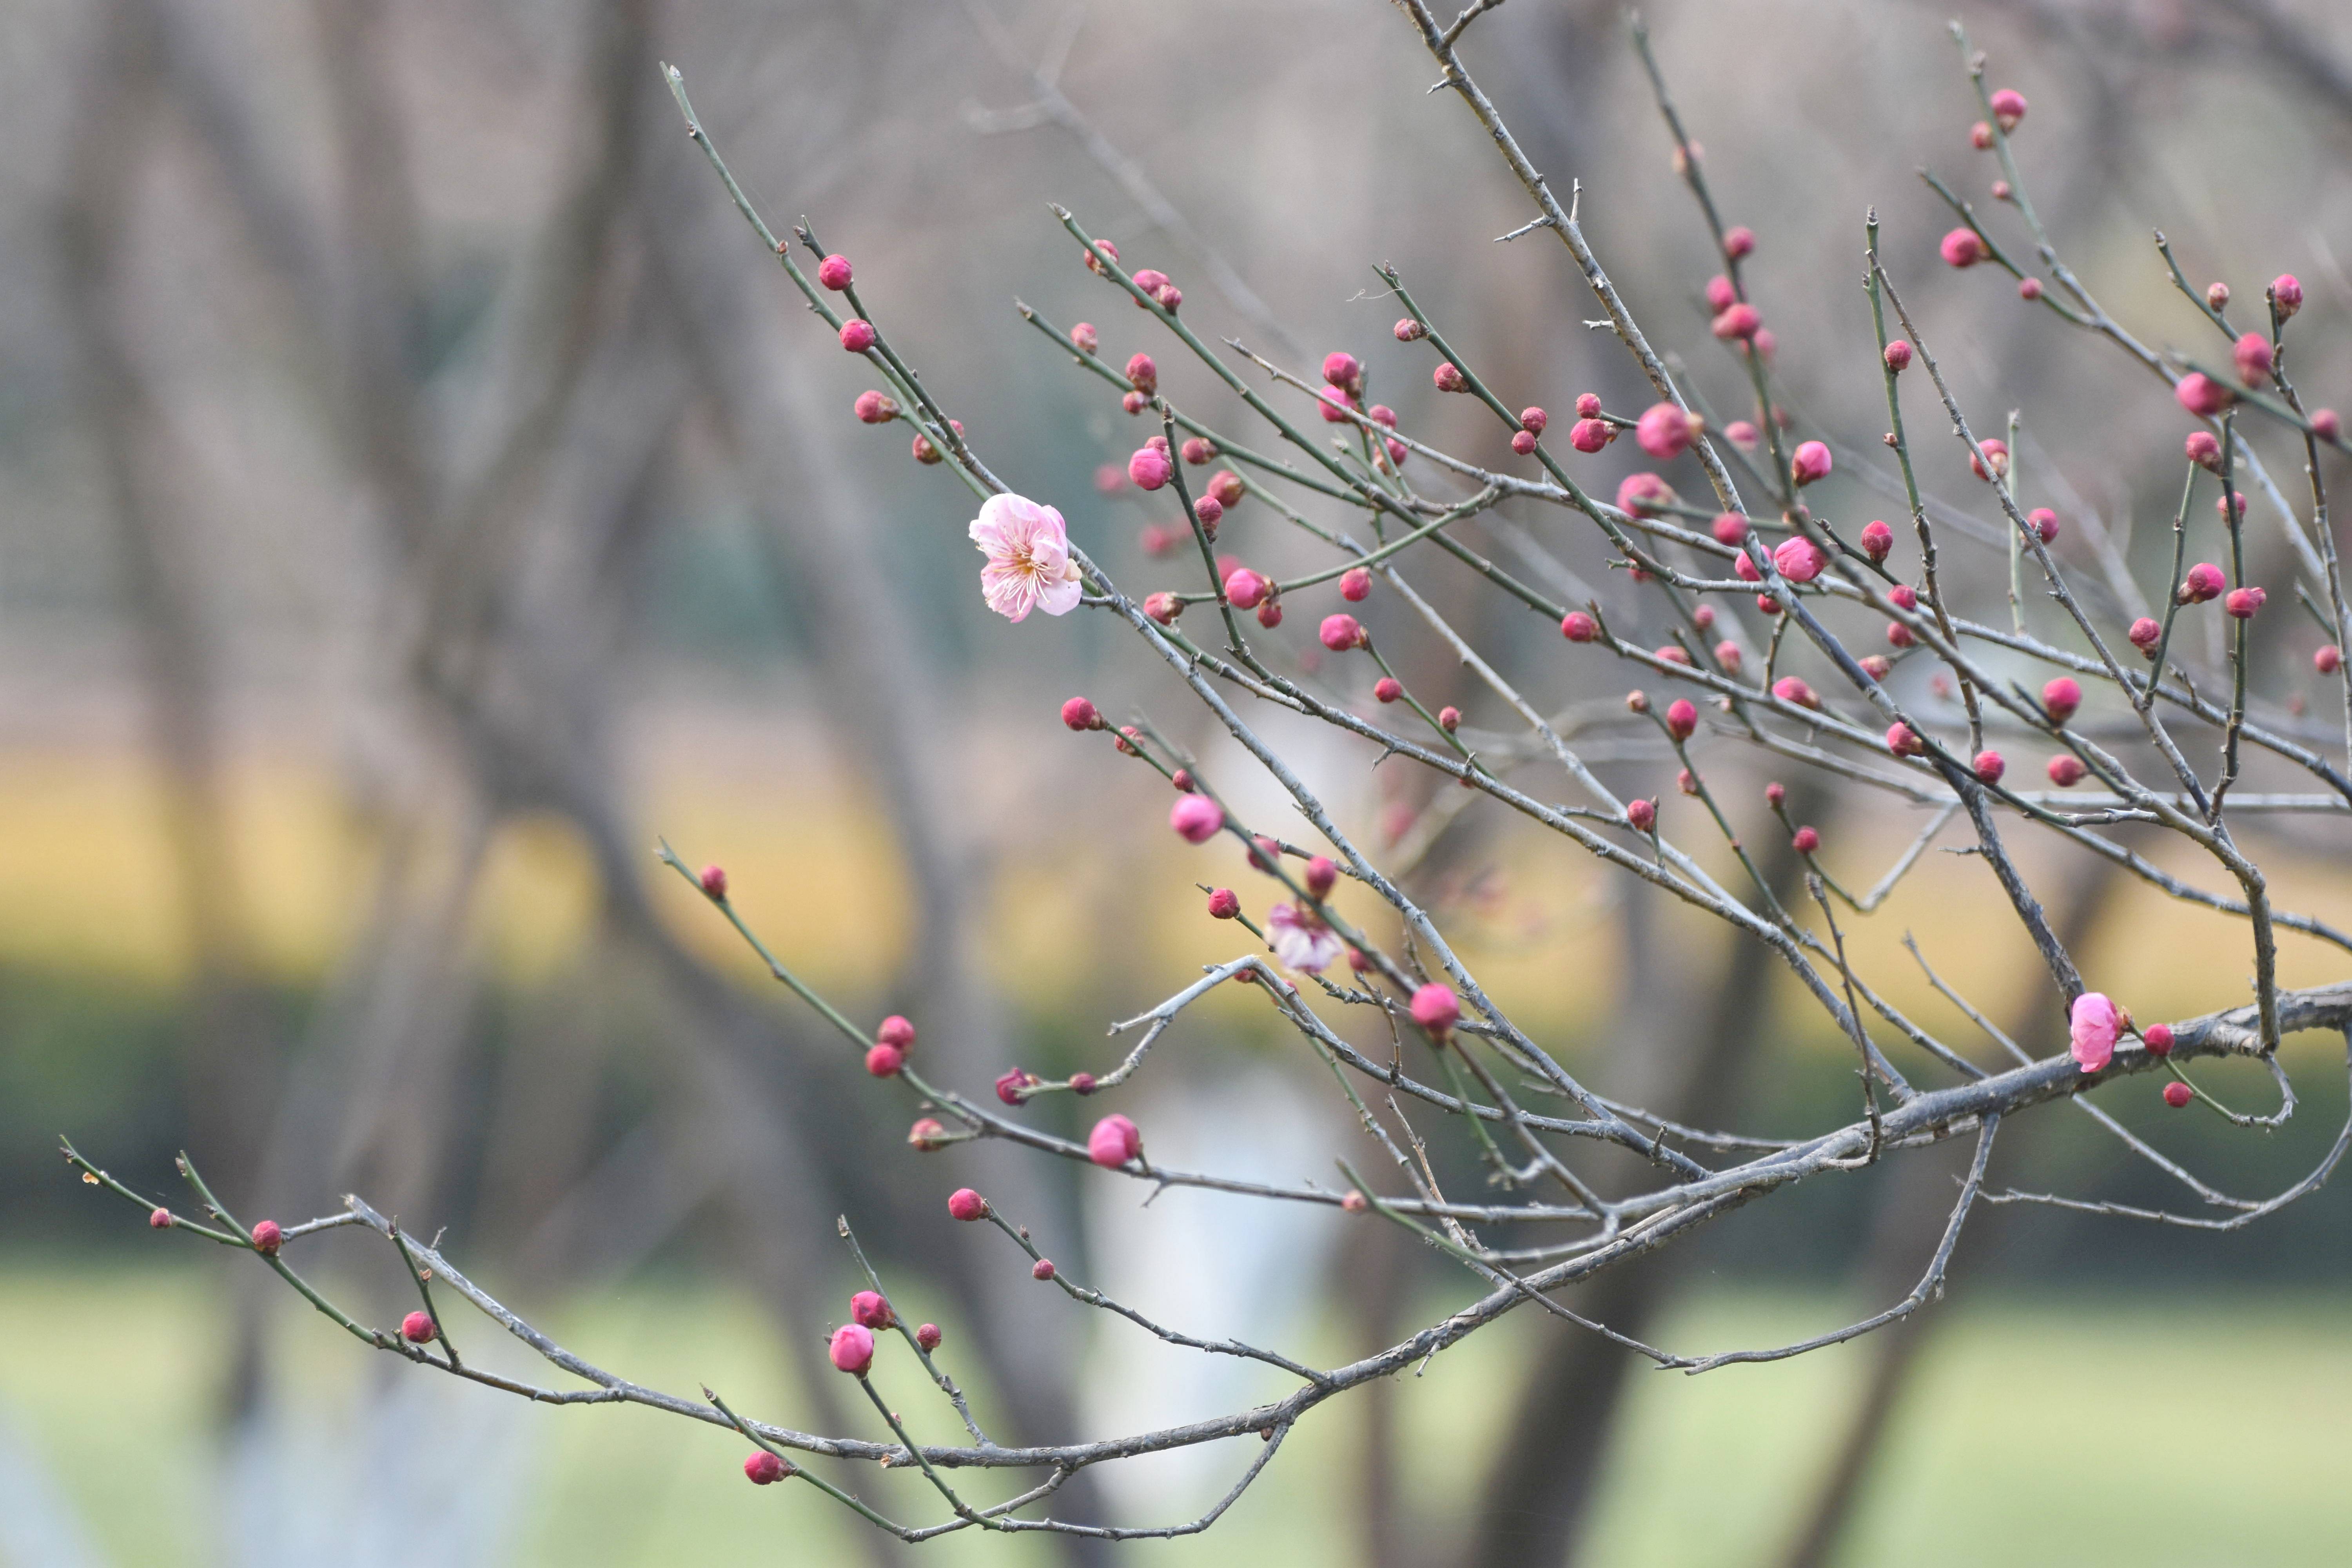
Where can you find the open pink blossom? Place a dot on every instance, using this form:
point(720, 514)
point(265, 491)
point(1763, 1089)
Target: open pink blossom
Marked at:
point(1029, 565)
point(2094, 1025)
point(1303, 943)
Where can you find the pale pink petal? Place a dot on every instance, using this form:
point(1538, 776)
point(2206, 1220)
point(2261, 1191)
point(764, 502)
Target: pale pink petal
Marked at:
point(1303, 943)
point(2093, 1025)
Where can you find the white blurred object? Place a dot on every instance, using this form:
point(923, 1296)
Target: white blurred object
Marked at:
point(38, 1527)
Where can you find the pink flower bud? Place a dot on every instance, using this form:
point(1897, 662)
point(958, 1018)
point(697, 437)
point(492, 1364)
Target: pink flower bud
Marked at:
point(927, 1135)
point(2045, 523)
point(1720, 295)
point(1684, 782)
point(1703, 616)
point(1682, 719)
point(2029, 288)
point(1409, 331)
point(876, 408)
point(1095, 262)
point(1134, 402)
point(1961, 247)
point(833, 272)
point(1996, 452)
point(2145, 634)
point(2252, 353)
point(1196, 818)
point(1151, 280)
point(965, 1204)
point(713, 883)
point(1745, 568)
point(268, 1239)
point(1578, 627)
point(1642, 813)
point(1387, 688)
point(1169, 296)
point(2328, 659)
point(1342, 370)
point(1341, 633)
point(1876, 665)
point(2221, 504)
point(1877, 538)
point(852, 1348)
point(1767, 605)
point(1904, 597)
point(765, 1468)
point(1264, 853)
point(857, 335)
point(1533, 420)
point(1200, 451)
point(1739, 242)
point(1449, 718)
point(1437, 1009)
point(2216, 295)
point(1792, 690)
point(1080, 714)
point(1904, 742)
point(1664, 431)
point(2201, 394)
point(1269, 614)
point(1163, 608)
point(1523, 442)
point(1588, 405)
point(1726, 654)
point(162, 1219)
point(1084, 337)
point(1989, 766)
point(2286, 294)
point(1675, 653)
point(1739, 322)
point(1810, 462)
point(1246, 589)
point(1397, 451)
point(1980, 136)
point(1114, 1142)
point(871, 1309)
point(2158, 1037)
point(1142, 374)
point(1448, 377)
point(1899, 634)
point(1807, 840)
point(1148, 468)
point(1322, 875)
point(1898, 356)
point(2009, 107)
point(1591, 434)
point(1799, 559)
point(417, 1327)
point(2178, 1094)
point(1226, 489)
point(2325, 425)
point(1355, 585)
point(2066, 770)
point(1382, 415)
point(884, 1061)
point(1043, 1269)
point(1336, 404)
point(2243, 602)
point(2062, 696)
point(2203, 582)
point(2093, 1025)
point(1644, 494)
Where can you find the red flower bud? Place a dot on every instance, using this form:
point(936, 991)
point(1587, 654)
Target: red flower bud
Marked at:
point(1084, 337)
point(871, 1309)
point(1791, 688)
point(1898, 356)
point(1448, 377)
point(963, 1204)
point(1980, 136)
point(713, 883)
point(1904, 742)
point(268, 1239)
point(161, 1219)
point(1437, 1009)
point(1588, 405)
point(876, 408)
point(2324, 424)
point(1080, 714)
point(884, 1061)
point(2328, 659)
point(929, 1336)
point(2243, 602)
point(2201, 394)
point(833, 272)
point(1578, 627)
point(2009, 107)
point(1810, 462)
point(417, 1327)
point(1014, 1084)
point(1806, 841)
point(1996, 452)
point(1269, 614)
point(2145, 634)
point(1876, 665)
point(2178, 1094)
point(1196, 818)
point(2029, 288)
point(1720, 295)
point(1245, 589)
point(2203, 582)
point(1682, 719)
point(765, 1468)
point(1740, 322)
point(1449, 718)
point(1223, 904)
point(852, 1348)
point(1148, 468)
point(2062, 696)
point(1342, 370)
point(1200, 451)
point(1042, 1270)
point(2252, 353)
point(1322, 875)
point(1989, 766)
point(1961, 247)
point(2286, 294)
point(2157, 1039)
point(1341, 633)
point(1877, 538)
point(1524, 442)
point(1387, 688)
point(2066, 770)
point(857, 335)
point(1114, 1142)
point(1642, 813)
point(1591, 434)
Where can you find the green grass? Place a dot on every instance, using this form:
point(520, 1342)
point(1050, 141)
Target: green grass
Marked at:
point(2188, 1429)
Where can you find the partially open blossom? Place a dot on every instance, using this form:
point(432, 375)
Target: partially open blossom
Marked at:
point(1341, 633)
point(876, 408)
point(1246, 589)
point(884, 1061)
point(2008, 106)
point(1740, 322)
point(1029, 564)
point(1643, 814)
point(2145, 634)
point(1196, 818)
point(928, 1134)
point(1682, 717)
point(1437, 1009)
point(2328, 659)
point(1898, 355)
point(1665, 431)
point(1989, 766)
point(966, 1204)
point(2200, 394)
point(765, 1468)
point(1809, 462)
point(852, 1348)
point(1301, 940)
point(1996, 453)
point(1961, 247)
point(1739, 242)
point(1644, 494)
point(1877, 538)
point(1903, 741)
point(1791, 688)
point(1114, 1142)
point(2062, 696)
point(1447, 377)
point(1578, 627)
point(2158, 1037)
point(713, 883)
point(2093, 1025)
point(1799, 559)
point(1807, 840)
point(2243, 602)
point(2066, 770)
point(2204, 581)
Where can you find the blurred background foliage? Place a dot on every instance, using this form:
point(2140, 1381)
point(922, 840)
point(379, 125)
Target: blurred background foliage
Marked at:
point(421, 493)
